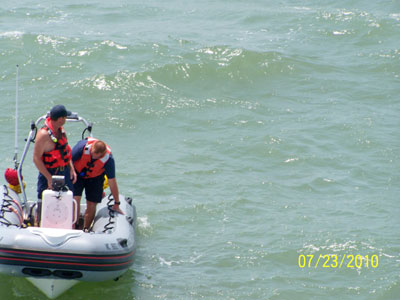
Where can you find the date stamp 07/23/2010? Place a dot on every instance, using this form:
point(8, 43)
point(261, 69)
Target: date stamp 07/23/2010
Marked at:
point(335, 261)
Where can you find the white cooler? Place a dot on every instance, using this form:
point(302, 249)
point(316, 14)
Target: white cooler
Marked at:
point(58, 209)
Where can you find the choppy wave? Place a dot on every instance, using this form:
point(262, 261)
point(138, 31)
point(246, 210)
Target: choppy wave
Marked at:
point(247, 134)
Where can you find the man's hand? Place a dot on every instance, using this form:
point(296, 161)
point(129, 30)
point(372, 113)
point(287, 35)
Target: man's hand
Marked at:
point(72, 175)
point(117, 209)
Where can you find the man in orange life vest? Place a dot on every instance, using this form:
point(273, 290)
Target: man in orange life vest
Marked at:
point(52, 154)
point(92, 160)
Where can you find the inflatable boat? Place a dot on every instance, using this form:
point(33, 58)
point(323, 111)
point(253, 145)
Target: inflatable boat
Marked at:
point(53, 255)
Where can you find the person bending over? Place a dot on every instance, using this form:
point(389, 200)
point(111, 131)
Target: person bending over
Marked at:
point(92, 160)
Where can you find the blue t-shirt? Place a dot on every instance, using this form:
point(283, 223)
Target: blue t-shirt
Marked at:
point(109, 167)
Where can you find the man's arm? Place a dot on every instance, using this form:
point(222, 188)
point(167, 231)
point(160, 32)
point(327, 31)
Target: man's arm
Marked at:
point(112, 182)
point(115, 192)
point(38, 150)
point(72, 172)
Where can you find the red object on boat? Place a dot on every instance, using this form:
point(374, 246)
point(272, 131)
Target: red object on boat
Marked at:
point(11, 176)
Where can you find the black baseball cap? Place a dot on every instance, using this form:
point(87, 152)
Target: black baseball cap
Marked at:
point(59, 111)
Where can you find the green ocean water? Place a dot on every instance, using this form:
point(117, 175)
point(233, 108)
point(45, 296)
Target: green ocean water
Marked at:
point(249, 133)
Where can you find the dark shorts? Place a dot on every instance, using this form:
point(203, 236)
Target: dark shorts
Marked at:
point(93, 188)
point(42, 181)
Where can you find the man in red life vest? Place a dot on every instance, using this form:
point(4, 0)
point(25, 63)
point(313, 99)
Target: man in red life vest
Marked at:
point(92, 160)
point(52, 154)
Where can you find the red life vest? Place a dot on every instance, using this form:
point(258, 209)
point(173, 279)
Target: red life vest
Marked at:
point(61, 153)
point(87, 168)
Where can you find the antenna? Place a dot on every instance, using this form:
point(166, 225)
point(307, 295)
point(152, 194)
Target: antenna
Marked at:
point(16, 120)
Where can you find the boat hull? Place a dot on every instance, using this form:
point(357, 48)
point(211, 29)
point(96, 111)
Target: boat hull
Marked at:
point(52, 288)
point(55, 259)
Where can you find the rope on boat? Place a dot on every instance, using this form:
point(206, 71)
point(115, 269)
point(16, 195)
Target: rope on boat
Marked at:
point(111, 213)
point(6, 207)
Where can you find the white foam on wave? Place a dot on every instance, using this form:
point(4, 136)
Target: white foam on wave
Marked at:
point(340, 32)
point(291, 159)
point(165, 262)
point(191, 260)
point(143, 222)
point(11, 34)
point(113, 44)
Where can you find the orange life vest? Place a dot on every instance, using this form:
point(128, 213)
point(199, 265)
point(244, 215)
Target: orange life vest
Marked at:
point(61, 153)
point(87, 168)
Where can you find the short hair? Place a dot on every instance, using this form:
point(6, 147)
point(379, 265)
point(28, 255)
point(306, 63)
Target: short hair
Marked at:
point(99, 147)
